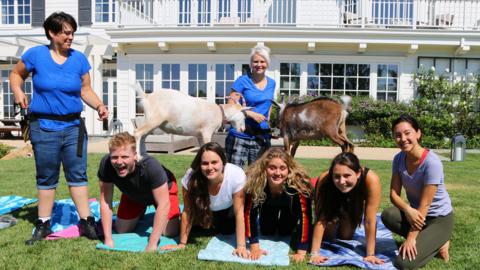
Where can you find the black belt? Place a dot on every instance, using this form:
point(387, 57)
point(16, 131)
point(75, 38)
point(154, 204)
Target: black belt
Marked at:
point(82, 131)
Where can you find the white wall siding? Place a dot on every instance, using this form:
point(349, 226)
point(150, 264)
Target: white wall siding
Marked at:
point(70, 7)
point(125, 98)
point(315, 12)
point(406, 72)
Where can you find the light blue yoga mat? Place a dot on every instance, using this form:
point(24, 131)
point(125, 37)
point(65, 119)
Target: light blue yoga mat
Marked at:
point(137, 241)
point(220, 248)
point(351, 252)
point(11, 203)
point(64, 214)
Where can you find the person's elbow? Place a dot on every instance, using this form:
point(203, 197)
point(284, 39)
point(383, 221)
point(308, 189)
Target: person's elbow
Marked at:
point(164, 206)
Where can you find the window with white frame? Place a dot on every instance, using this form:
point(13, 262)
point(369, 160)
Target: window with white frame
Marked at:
point(144, 76)
point(109, 89)
point(204, 12)
point(244, 10)
point(171, 76)
point(282, 12)
point(16, 11)
point(338, 79)
point(184, 12)
point(246, 70)
point(23, 12)
point(197, 80)
point(224, 77)
point(290, 78)
point(105, 11)
point(8, 98)
point(387, 82)
point(224, 8)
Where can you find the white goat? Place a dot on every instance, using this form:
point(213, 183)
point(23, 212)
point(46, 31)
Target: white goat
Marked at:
point(177, 113)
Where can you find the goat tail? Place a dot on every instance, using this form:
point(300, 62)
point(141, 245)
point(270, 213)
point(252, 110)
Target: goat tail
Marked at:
point(139, 91)
point(346, 100)
point(140, 96)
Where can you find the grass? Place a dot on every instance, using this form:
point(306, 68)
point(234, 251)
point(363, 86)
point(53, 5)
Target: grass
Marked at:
point(18, 177)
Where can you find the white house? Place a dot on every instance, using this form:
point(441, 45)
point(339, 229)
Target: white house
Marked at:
point(355, 47)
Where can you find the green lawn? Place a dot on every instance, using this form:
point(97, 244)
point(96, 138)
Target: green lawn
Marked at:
point(18, 177)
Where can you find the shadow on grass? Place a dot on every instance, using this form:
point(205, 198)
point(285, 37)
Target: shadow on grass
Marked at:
point(28, 213)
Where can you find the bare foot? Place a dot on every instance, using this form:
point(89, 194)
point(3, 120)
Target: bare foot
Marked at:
point(443, 252)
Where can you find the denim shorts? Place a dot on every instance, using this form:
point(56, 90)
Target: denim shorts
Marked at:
point(52, 148)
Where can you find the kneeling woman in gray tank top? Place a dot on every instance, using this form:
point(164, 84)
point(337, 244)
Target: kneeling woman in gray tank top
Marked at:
point(426, 220)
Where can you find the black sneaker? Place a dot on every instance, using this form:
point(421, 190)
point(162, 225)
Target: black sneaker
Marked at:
point(87, 228)
point(42, 229)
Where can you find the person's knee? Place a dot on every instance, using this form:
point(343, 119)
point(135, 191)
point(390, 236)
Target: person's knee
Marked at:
point(401, 263)
point(124, 226)
point(388, 215)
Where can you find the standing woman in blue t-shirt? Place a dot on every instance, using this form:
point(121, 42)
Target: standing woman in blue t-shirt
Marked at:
point(57, 132)
point(257, 91)
point(426, 221)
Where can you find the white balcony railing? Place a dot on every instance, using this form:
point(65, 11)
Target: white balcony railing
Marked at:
point(435, 14)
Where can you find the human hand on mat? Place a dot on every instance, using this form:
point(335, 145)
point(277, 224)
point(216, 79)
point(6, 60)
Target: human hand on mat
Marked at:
point(373, 259)
point(415, 218)
point(108, 242)
point(241, 252)
point(299, 256)
point(256, 252)
point(409, 249)
point(317, 258)
point(170, 247)
point(151, 248)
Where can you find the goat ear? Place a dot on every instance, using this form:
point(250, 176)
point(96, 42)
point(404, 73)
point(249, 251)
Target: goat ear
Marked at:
point(247, 108)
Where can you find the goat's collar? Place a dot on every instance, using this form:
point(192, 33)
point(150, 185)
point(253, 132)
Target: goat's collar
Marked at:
point(224, 119)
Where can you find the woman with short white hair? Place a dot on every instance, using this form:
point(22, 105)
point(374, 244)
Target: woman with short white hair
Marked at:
point(254, 90)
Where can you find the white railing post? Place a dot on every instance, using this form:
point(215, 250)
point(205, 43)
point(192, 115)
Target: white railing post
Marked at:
point(415, 13)
point(363, 14)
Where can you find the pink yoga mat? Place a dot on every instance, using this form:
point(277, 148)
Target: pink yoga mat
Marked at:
point(70, 232)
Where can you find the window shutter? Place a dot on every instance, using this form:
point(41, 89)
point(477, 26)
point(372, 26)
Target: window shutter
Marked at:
point(38, 12)
point(84, 12)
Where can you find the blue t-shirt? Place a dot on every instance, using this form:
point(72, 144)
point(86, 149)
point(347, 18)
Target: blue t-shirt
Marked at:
point(430, 172)
point(56, 88)
point(261, 100)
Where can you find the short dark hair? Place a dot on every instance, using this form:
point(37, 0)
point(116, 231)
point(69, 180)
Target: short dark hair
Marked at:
point(406, 118)
point(55, 23)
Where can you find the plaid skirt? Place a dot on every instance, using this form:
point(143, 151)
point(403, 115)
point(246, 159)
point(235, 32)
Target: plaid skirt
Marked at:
point(244, 151)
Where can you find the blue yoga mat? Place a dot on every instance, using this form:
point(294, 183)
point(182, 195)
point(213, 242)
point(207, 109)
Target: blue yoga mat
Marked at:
point(137, 241)
point(220, 248)
point(64, 214)
point(11, 203)
point(351, 252)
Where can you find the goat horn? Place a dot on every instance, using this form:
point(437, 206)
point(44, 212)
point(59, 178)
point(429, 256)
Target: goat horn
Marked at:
point(275, 103)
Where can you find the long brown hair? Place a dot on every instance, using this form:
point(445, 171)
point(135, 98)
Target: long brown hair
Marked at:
point(257, 175)
point(331, 203)
point(198, 196)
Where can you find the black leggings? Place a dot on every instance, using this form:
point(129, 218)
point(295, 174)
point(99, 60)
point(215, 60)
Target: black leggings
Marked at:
point(273, 219)
point(224, 221)
point(436, 232)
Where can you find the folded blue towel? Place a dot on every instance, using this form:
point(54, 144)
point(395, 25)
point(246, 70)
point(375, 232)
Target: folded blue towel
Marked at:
point(351, 252)
point(220, 248)
point(137, 241)
point(11, 203)
point(64, 214)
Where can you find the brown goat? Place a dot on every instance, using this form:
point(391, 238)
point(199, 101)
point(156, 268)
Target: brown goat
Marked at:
point(313, 120)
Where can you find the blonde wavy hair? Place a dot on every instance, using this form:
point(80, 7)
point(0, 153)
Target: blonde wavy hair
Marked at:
point(297, 178)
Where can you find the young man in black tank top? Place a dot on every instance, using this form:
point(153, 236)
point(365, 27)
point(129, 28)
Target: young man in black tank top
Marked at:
point(142, 183)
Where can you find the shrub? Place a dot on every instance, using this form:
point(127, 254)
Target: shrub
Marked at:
point(4, 149)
